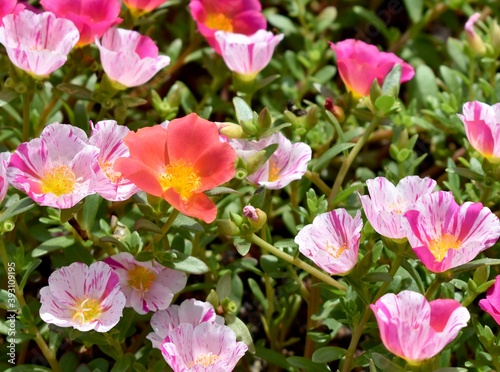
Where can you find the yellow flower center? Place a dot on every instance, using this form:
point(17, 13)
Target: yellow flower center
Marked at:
point(141, 278)
point(205, 360)
point(273, 171)
point(86, 310)
point(219, 22)
point(110, 173)
point(334, 252)
point(396, 208)
point(59, 181)
point(182, 177)
point(440, 246)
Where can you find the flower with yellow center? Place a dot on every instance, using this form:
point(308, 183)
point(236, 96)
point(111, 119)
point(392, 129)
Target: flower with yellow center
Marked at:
point(439, 246)
point(333, 251)
point(111, 174)
point(86, 310)
point(59, 180)
point(274, 171)
point(218, 21)
point(141, 278)
point(205, 360)
point(182, 177)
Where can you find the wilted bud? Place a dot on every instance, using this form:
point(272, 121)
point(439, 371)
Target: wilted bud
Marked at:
point(476, 44)
point(337, 111)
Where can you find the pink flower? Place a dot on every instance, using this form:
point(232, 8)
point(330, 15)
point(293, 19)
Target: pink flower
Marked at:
point(491, 304)
point(55, 170)
point(37, 43)
point(482, 127)
point(360, 63)
point(108, 136)
point(415, 329)
point(332, 241)
point(239, 16)
point(130, 58)
point(387, 204)
point(205, 347)
point(190, 311)
point(92, 17)
point(83, 297)
point(139, 7)
point(247, 55)
point(4, 183)
point(445, 235)
point(147, 286)
point(286, 164)
point(9, 7)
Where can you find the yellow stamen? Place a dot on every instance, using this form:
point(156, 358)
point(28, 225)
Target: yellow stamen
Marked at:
point(440, 246)
point(205, 360)
point(335, 252)
point(182, 177)
point(109, 172)
point(141, 278)
point(219, 22)
point(396, 208)
point(59, 181)
point(86, 310)
point(273, 171)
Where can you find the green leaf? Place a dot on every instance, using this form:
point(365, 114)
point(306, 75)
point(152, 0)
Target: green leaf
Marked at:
point(241, 330)
point(187, 223)
point(475, 264)
point(384, 104)
point(324, 159)
point(326, 18)
point(32, 266)
point(89, 211)
point(392, 82)
point(13, 304)
point(222, 191)
point(272, 357)
point(53, 244)
point(328, 354)
point(307, 364)
point(75, 90)
point(415, 9)
point(371, 17)
point(467, 173)
point(284, 24)
point(242, 245)
point(243, 111)
point(147, 225)
point(7, 95)
point(425, 81)
point(385, 364)
point(258, 197)
point(17, 208)
point(224, 285)
point(377, 277)
point(188, 264)
point(28, 368)
point(67, 214)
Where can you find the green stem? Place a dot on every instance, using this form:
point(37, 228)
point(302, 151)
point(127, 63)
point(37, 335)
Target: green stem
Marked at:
point(164, 229)
point(346, 164)
point(296, 261)
point(314, 178)
point(433, 287)
point(26, 115)
point(312, 308)
point(358, 332)
point(32, 329)
point(45, 113)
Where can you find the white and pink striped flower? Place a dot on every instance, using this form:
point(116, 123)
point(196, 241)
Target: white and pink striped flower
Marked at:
point(190, 311)
point(387, 204)
point(83, 297)
point(55, 170)
point(445, 235)
point(108, 136)
point(482, 127)
point(247, 55)
point(286, 164)
point(129, 58)
point(332, 241)
point(415, 329)
point(4, 183)
point(148, 286)
point(205, 347)
point(38, 43)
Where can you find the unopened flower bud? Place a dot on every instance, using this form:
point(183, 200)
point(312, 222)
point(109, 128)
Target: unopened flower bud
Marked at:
point(256, 217)
point(227, 227)
point(231, 130)
point(495, 36)
point(476, 44)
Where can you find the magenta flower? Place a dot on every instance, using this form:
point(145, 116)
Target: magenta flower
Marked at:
point(360, 63)
point(482, 127)
point(205, 347)
point(4, 183)
point(129, 58)
point(55, 170)
point(107, 136)
point(239, 16)
point(83, 297)
point(286, 164)
point(147, 286)
point(139, 7)
point(491, 304)
point(190, 311)
point(445, 235)
point(92, 17)
point(247, 55)
point(387, 204)
point(415, 329)
point(332, 241)
point(9, 7)
point(37, 43)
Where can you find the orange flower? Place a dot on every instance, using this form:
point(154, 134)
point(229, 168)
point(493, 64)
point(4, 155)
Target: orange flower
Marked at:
point(179, 163)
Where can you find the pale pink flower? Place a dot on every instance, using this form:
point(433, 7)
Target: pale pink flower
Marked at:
point(83, 297)
point(4, 182)
point(332, 241)
point(360, 63)
point(286, 164)
point(491, 304)
point(130, 58)
point(247, 55)
point(387, 204)
point(55, 170)
point(482, 127)
point(92, 17)
point(9, 7)
point(37, 43)
point(239, 16)
point(190, 311)
point(147, 286)
point(445, 235)
point(203, 348)
point(107, 136)
point(139, 7)
point(415, 329)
